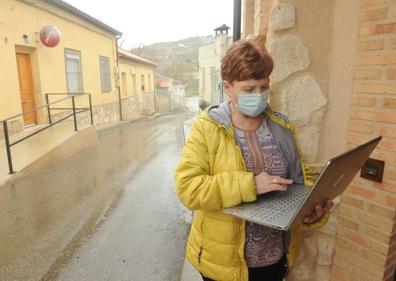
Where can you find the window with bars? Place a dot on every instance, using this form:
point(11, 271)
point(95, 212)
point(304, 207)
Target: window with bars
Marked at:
point(105, 74)
point(73, 71)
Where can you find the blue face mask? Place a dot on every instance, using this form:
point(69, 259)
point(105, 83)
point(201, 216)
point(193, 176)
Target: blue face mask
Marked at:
point(252, 104)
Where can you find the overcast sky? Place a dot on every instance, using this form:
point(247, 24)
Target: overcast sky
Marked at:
point(151, 21)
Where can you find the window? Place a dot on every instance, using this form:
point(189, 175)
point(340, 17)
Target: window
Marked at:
point(142, 81)
point(105, 73)
point(73, 71)
point(149, 83)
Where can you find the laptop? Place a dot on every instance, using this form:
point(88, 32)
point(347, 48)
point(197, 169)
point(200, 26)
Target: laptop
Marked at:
point(284, 209)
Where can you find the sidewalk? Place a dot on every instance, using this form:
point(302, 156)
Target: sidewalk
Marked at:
point(48, 146)
point(188, 272)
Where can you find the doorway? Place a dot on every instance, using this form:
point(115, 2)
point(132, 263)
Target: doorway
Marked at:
point(26, 88)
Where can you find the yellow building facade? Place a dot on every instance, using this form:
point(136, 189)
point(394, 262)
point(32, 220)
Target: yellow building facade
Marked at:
point(209, 57)
point(136, 74)
point(85, 60)
point(136, 84)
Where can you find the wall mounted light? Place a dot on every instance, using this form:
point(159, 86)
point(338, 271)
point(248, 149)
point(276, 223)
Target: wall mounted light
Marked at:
point(25, 39)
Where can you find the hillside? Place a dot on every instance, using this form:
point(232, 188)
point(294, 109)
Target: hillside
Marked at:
point(178, 59)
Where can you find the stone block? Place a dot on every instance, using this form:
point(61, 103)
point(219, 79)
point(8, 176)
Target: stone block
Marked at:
point(289, 55)
point(282, 16)
point(302, 272)
point(326, 246)
point(330, 227)
point(301, 98)
point(322, 273)
point(300, 256)
point(304, 102)
point(311, 247)
point(308, 137)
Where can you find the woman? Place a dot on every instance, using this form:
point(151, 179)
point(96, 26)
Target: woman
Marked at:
point(236, 151)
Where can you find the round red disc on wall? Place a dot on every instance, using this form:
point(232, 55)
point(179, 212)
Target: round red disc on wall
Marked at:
point(50, 36)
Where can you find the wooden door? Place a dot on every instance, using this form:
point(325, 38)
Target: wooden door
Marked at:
point(26, 88)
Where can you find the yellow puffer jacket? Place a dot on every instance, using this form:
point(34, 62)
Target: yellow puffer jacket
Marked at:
point(210, 176)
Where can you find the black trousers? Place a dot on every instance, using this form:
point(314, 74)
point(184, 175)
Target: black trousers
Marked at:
point(275, 272)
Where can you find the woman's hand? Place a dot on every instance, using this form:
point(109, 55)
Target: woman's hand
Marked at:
point(319, 212)
point(266, 183)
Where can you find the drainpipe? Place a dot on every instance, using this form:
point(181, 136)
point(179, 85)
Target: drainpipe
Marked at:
point(236, 30)
point(118, 36)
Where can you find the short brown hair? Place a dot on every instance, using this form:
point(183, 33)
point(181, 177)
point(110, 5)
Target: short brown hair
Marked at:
point(246, 59)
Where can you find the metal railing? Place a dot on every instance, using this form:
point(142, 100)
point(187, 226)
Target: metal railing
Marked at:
point(75, 111)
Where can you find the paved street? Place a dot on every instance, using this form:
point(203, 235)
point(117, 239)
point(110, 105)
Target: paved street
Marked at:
point(108, 213)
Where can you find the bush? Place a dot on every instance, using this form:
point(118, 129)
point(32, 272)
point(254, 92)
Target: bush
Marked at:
point(203, 104)
point(191, 93)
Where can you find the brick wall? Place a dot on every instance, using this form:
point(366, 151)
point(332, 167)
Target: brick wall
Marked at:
point(366, 234)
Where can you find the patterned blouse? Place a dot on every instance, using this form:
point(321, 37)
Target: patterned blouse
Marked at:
point(264, 245)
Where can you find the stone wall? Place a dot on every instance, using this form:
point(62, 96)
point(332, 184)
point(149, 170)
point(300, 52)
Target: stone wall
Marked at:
point(162, 101)
point(300, 40)
point(148, 103)
point(299, 91)
point(316, 252)
point(168, 101)
point(132, 107)
point(315, 258)
point(102, 114)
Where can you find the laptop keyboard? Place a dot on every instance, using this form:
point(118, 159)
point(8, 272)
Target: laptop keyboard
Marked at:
point(275, 205)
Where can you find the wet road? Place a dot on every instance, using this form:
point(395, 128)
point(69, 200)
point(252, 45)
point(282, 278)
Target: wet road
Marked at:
point(108, 213)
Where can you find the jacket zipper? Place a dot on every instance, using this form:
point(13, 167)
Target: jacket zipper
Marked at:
point(240, 225)
point(199, 255)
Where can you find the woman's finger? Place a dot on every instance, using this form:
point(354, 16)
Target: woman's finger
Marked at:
point(308, 219)
point(329, 205)
point(319, 211)
point(278, 187)
point(279, 180)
